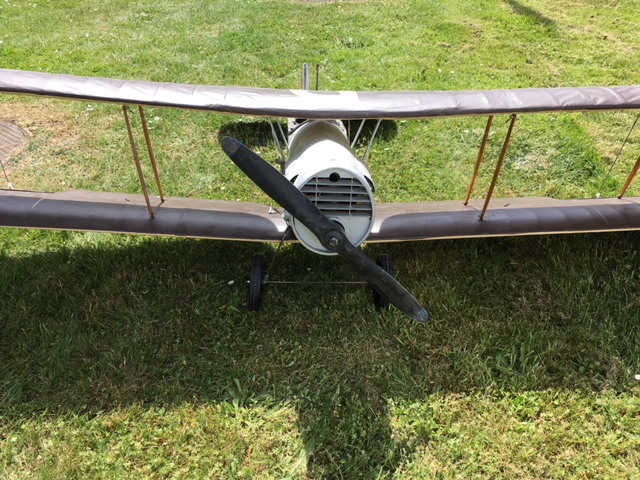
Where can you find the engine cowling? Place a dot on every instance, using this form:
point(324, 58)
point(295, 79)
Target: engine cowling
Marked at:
point(323, 167)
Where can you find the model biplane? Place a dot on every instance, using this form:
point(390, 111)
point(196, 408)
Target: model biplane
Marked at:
point(326, 191)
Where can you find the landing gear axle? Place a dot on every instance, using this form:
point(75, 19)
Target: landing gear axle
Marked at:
point(259, 279)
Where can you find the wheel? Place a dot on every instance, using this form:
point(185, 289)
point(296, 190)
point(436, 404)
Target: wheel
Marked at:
point(386, 263)
point(255, 283)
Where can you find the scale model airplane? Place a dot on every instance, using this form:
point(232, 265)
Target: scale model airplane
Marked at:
point(326, 190)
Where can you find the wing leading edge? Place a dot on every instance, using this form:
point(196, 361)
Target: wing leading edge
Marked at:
point(123, 213)
point(317, 104)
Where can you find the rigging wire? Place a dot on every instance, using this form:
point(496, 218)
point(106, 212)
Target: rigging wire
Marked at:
point(275, 139)
point(9, 184)
point(618, 155)
point(11, 136)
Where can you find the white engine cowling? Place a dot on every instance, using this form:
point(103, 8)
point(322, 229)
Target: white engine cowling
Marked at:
point(322, 165)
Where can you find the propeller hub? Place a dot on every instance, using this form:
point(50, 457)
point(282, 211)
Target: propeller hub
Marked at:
point(333, 240)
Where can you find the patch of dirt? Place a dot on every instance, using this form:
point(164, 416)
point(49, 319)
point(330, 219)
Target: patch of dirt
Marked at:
point(43, 124)
point(11, 137)
point(42, 116)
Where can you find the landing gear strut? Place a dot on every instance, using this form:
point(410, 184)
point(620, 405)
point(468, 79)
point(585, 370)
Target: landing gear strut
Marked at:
point(259, 279)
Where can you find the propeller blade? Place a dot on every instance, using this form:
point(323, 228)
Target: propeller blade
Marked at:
point(283, 192)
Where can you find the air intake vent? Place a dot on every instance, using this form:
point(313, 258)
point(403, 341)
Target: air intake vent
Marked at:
point(346, 196)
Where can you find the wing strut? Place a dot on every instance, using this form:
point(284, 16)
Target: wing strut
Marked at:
point(136, 156)
point(483, 146)
point(373, 136)
point(635, 168)
point(152, 157)
point(503, 154)
point(630, 178)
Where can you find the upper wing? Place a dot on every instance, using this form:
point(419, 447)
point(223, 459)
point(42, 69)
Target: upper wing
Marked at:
point(317, 104)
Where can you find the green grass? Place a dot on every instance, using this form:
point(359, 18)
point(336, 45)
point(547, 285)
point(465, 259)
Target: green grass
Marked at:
point(134, 357)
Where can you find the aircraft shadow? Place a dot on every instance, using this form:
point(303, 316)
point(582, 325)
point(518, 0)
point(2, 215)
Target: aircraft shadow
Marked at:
point(162, 322)
point(387, 131)
point(257, 133)
point(252, 133)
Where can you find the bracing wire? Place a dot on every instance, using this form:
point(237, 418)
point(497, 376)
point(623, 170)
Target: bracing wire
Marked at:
point(618, 155)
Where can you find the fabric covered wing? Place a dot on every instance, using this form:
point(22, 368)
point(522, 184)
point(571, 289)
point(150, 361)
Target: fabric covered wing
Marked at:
point(125, 213)
point(317, 104)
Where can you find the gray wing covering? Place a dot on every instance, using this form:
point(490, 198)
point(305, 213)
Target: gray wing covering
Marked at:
point(317, 104)
point(124, 213)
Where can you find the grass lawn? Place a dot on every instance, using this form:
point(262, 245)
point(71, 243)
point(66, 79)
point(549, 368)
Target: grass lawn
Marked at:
point(135, 357)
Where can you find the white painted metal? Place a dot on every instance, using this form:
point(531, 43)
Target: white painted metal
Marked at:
point(322, 165)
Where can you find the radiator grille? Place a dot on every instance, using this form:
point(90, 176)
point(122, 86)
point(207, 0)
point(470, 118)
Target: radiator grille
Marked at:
point(347, 196)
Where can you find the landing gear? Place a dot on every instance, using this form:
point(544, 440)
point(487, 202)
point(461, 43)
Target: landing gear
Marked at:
point(386, 263)
point(256, 284)
point(259, 278)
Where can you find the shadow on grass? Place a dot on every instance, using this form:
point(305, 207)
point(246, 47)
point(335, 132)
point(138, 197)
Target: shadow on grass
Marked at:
point(532, 14)
point(256, 134)
point(387, 130)
point(163, 322)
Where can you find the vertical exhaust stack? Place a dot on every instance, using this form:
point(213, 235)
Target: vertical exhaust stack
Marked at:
point(323, 167)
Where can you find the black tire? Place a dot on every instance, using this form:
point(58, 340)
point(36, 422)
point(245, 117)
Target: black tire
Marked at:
point(255, 283)
point(386, 263)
